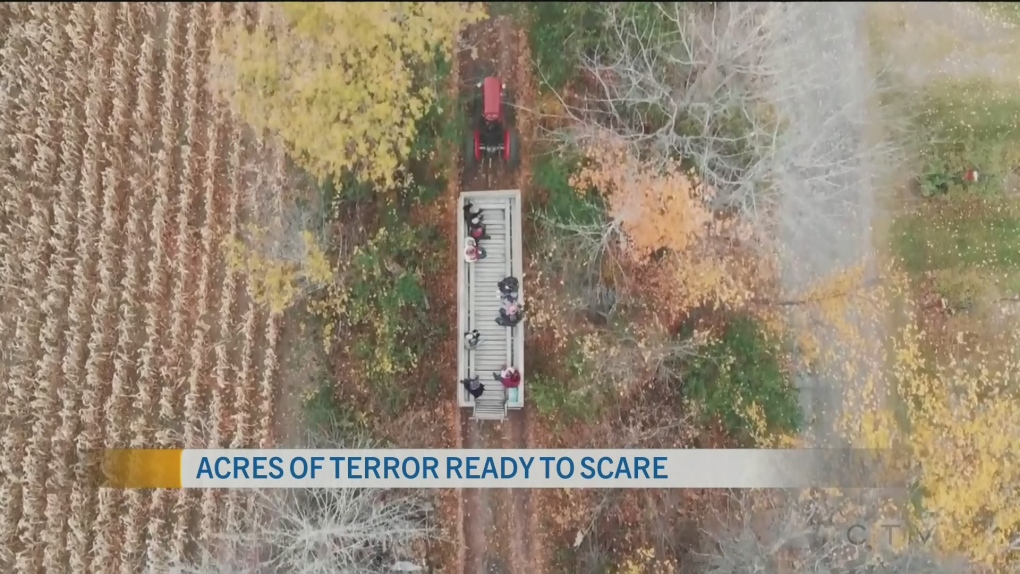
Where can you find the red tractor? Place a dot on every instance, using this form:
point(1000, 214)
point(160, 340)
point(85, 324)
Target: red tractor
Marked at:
point(492, 135)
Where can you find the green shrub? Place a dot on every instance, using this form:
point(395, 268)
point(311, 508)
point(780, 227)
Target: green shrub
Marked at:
point(560, 33)
point(440, 130)
point(742, 368)
point(564, 204)
point(936, 178)
point(326, 415)
point(383, 305)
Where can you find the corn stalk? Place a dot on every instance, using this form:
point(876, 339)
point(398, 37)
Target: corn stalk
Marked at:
point(271, 364)
point(209, 513)
point(26, 238)
point(163, 219)
point(194, 132)
point(133, 547)
point(53, 299)
point(113, 433)
point(58, 482)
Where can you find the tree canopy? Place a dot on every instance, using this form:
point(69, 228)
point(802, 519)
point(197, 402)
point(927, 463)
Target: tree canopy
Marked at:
point(962, 440)
point(343, 84)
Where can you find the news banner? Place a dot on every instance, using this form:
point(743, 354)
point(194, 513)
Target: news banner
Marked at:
point(497, 468)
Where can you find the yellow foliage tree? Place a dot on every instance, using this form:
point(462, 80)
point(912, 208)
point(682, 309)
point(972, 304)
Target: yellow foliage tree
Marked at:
point(274, 281)
point(963, 439)
point(342, 82)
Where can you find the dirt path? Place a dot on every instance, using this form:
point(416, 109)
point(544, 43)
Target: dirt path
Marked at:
point(814, 243)
point(495, 522)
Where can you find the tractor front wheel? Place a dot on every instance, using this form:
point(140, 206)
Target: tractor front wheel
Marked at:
point(512, 148)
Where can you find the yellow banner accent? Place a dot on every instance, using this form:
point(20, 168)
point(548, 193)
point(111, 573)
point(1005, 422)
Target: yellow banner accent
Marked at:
point(142, 468)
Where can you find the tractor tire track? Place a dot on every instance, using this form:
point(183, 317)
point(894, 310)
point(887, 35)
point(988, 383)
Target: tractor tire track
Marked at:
point(495, 521)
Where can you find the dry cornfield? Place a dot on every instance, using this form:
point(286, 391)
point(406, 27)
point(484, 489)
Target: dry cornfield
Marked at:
point(120, 326)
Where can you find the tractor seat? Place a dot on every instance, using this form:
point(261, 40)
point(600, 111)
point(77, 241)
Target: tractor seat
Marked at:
point(492, 98)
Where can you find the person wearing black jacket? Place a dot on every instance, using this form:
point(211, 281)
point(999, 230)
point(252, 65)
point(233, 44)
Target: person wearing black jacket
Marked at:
point(472, 217)
point(473, 386)
point(508, 287)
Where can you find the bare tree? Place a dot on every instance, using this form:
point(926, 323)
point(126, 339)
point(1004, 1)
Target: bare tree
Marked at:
point(320, 531)
point(781, 109)
point(329, 530)
point(775, 104)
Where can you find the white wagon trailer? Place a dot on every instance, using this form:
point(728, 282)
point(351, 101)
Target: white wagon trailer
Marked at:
point(478, 304)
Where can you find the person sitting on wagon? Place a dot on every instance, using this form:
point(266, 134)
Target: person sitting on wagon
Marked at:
point(477, 232)
point(472, 251)
point(472, 217)
point(473, 386)
point(509, 376)
point(510, 314)
point(508, 287)
point(471, 338)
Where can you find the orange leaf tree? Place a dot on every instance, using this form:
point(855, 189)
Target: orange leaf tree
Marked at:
point(664, 210)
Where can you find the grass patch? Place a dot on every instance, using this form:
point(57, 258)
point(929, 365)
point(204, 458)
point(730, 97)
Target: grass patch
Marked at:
point(967, 111)
point(1006, 12)
point(969, 247)
point(570, 395)
point(966, 242)
point(743, 368)
point(973, 125)
point(960, 233)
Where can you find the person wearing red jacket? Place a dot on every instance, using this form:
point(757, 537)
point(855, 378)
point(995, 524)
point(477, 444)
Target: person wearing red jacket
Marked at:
point(477, 232)
point(509, 376)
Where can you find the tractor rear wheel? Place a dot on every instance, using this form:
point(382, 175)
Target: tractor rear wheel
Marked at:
point(471, 150)
point(512, 153)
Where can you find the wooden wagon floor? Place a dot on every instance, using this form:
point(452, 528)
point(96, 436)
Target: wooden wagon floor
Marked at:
point(479, 303)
